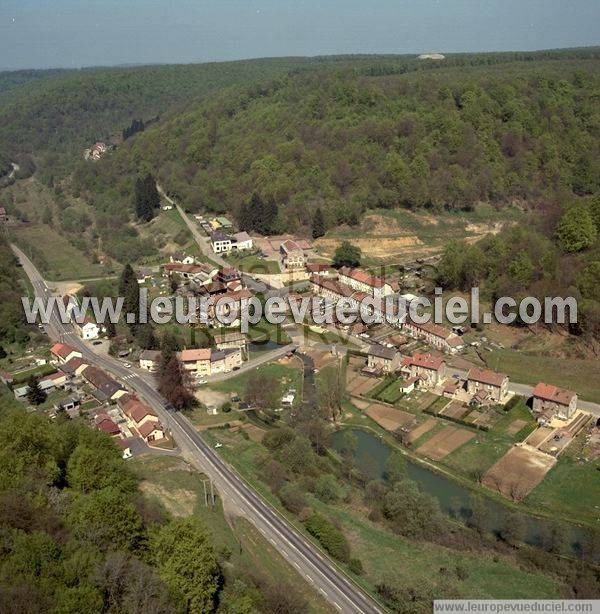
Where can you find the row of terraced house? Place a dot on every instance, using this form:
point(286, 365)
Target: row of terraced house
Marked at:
point(484, 386)
point(357, 285)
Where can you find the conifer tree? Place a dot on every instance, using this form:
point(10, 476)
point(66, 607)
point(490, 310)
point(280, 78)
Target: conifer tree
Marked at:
point(318, 226)
point(35, 395)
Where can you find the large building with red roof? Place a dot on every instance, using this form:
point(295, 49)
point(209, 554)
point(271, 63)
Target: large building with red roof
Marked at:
point(550, 401)
point(490, 383)
point(361, 281)
point(429, 369)
point(64, 352)
point(435, 335)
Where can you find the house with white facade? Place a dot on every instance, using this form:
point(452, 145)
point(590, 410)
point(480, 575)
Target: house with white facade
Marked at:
point(220, 242)
point(149, 359)
point(87, 329)
point(361, 281)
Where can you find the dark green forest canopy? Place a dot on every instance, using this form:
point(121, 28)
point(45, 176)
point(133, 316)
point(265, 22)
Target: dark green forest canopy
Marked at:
point(346, 141)
point(76, 533)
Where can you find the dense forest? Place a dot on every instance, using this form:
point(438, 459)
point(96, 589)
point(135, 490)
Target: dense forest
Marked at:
point(555, 253)
point(279, 139)
point(77, 534)
point(522, 132)
point(13, 327)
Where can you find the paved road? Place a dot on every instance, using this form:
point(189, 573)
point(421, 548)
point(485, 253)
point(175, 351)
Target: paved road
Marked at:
point(314, 566)
point(200, 238)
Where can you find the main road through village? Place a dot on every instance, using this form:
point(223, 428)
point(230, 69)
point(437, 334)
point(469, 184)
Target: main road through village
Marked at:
point(318, 570)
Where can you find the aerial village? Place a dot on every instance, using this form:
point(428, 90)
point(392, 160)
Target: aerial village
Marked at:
point(410, 379)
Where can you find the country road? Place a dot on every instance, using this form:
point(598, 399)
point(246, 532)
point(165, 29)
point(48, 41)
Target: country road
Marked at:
point(318, 570)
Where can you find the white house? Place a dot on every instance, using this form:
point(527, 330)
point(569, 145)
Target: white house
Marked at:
point(88, 329)
point(149, 359)
point(220, 242)
point(242, 241)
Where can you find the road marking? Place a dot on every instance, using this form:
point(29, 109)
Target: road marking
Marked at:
point(272, 540)
point(296, 565)
point(308, 577)
point(337, 605)
point(285, 554)
point(323, 591)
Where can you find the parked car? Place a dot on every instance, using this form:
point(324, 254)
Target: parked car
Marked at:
point(127, 365)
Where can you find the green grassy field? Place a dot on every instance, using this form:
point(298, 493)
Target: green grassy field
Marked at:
point(392, 393)
point(251, 263)
point(581, 376)
point(54, 255)
point(23, 376)
point(287, 376)
point(384, 555)
point(571, 486)
point(164, 229)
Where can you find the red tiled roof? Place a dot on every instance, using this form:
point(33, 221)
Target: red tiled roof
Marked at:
point(437, 330)
point(363, 277)
point(52, 376)
point(194, 355)
point(62, 350)
point(485, 376)
point(233, 295)
point(548, 392)
point(140, 411)
point(76, 362)
point(106, 424)
point(426, 361)
point(316, 268)
point(148, 427)
point(290, 246)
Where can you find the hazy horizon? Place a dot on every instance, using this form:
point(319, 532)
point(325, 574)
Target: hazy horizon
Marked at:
point(71, 34)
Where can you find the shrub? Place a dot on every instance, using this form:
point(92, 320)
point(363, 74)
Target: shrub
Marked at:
point(329, 536)
point(292, 498)
point(356, 567)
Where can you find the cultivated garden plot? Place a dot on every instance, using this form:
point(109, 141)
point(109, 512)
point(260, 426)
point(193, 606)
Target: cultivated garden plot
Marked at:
point(447, 440)
point(515, 426)
point(389, 418)
point(518, 472)
point(423, 428)
point(359, 385)
point(454, 410)
point(538, 436)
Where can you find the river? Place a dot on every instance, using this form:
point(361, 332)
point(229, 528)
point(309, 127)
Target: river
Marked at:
point(454, 499)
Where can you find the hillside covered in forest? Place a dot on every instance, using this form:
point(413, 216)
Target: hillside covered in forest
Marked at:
point(345, 135)
point(346, 141)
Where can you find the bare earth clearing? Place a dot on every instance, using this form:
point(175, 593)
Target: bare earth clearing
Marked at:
point(518, 472)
